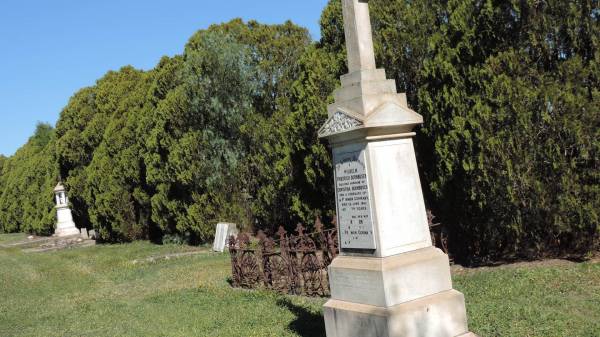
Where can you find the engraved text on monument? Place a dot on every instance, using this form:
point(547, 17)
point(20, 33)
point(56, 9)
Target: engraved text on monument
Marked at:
point(352, 194)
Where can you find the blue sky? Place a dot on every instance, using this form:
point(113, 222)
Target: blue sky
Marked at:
point(50, 49)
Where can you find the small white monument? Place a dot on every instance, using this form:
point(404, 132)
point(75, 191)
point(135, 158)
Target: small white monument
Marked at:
point(222, 234)
point(388, 281)
point(65, 225)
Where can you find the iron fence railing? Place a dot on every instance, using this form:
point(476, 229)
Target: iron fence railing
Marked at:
point(292, 264)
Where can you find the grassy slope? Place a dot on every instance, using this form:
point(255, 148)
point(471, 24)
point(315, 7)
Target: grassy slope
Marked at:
point(99, 292)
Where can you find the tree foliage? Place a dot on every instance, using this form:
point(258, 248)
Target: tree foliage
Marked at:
point(27, 181)
point(175, 149)
point(195, 145)
point(510, 95)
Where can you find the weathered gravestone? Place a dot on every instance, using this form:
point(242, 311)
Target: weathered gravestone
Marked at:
point(64, 225)
point(222, 233)
point(389, 281)
point(84, 234)
point(92, 234)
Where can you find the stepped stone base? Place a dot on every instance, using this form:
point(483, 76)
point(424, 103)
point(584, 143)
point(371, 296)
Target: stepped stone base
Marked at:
point(66, 230)
point(439, 315)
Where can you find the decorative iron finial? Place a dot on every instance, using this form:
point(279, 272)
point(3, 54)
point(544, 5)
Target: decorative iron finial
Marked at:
point(282, 233)
point(300, 229)
point(318, 224)
point(261, 235)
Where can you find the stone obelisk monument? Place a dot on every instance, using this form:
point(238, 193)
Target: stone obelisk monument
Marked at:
point(389, 281)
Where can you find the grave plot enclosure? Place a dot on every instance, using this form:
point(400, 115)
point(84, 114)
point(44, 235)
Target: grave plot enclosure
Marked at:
point(291, 264)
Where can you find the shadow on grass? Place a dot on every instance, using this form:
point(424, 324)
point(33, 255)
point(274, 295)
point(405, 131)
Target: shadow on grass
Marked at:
point(306, 323)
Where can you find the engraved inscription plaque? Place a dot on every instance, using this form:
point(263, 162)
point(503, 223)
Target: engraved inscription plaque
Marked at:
point(352, 197)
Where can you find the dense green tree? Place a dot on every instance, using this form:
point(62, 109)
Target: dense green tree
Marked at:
point(267, 173)
point(290, 167)
point(174, 152)
point(2, 161)
point(79, 132)
point(116, 191)
point(86, 131)
point(27, 181)
point(511, 103)
point(310, 157)
point(274, 52)
point(195, 145)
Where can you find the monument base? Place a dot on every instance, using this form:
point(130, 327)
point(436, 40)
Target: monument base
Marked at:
point(438, 315)
point(389, 281)
point(66, 229)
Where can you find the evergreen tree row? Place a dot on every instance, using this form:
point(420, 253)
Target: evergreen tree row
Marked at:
point(509, 153)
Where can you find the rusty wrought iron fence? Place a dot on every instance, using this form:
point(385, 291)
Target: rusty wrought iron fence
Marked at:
point(292, 264)
point(296, 263)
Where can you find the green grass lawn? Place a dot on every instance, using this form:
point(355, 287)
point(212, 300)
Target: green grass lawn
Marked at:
point(99, 291)
point(9, 238)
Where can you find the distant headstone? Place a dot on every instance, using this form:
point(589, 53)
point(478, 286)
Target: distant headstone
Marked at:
point(84, 233)
point(222, 233)
point(92, 234)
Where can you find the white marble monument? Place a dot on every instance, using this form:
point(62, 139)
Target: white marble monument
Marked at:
point(65, 225)
point(389, 281)
point(222, 234)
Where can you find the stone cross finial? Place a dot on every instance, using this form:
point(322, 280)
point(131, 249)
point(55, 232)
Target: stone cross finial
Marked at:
point(359, 38)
